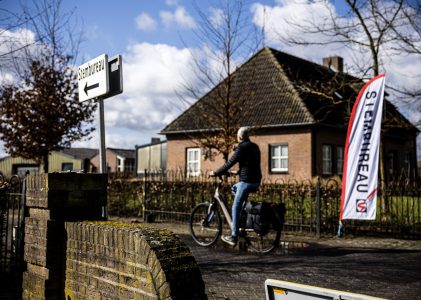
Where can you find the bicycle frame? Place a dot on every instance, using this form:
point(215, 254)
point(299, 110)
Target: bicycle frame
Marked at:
point(221, 203)
point(206, 225)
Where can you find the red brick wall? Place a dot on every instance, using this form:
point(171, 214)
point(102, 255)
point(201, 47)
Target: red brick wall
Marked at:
point(327, 136)
point(299, 154)
point(305, 152)
point(299, 144)
point(111, 158)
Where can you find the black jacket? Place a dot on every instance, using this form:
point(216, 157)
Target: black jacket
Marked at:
point(247, 155)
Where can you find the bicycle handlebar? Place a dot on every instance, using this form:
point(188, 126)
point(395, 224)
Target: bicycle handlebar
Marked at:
point(220, 180)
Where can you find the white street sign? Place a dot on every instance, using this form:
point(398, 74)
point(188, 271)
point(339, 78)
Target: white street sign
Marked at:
point(285, 290)
point(93, 78)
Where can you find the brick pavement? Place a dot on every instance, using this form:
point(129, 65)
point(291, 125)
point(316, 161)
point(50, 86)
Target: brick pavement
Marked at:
point(388, 268)
point(387, 273)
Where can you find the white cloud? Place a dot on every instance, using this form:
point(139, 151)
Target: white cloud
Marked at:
point(6, 77)
point(216, 16)
point(401, 70)
point(179, 17)
point(171, 2)
point(152, 73)
point(13, 40)
point(278, 20)
point(14, 45)
point(145, 22)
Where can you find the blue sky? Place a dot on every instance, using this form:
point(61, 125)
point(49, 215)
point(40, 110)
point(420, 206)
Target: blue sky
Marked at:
point(111, 26)
point(148, 34)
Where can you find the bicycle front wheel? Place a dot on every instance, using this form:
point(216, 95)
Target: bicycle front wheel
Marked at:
point(263, 243)
point(205, 225)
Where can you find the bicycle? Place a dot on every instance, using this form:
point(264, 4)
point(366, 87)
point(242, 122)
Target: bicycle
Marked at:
point(206, 223)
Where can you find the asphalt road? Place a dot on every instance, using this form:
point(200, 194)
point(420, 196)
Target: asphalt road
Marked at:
point(368, 267)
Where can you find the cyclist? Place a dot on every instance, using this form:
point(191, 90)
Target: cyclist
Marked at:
point(247, 155)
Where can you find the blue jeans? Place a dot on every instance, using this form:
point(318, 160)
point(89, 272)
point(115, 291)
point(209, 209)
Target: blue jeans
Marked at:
point(241, 190)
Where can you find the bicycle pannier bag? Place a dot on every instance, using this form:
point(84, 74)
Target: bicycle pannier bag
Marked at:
point(278, 216)
point(258, 216)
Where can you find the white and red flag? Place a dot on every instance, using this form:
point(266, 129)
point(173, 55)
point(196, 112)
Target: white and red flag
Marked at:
point(361, 163)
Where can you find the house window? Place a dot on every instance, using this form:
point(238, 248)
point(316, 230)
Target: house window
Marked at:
point(22, 169)
point(67, 166)
point(193, 162)
point(327, 160)
point(120, 164)
point(279, 158)
point(339, 159)
point(129, 165)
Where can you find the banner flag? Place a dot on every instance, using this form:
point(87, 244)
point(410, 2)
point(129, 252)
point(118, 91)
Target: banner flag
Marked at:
point(361, 162)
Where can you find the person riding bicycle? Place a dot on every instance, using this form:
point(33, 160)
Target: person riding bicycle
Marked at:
point(247, 155)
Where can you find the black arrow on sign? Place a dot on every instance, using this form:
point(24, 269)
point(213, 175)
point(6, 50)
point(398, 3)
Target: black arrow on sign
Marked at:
point(87, 88)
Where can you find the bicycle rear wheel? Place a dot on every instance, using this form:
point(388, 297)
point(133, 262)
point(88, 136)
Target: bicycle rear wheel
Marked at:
point(263, 243)
point(205, 225)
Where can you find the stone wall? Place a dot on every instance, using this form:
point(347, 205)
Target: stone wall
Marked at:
point(107, 260)
point(69, 258)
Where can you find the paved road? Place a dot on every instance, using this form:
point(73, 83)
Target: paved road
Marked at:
point(387, 268)
point(373, 268)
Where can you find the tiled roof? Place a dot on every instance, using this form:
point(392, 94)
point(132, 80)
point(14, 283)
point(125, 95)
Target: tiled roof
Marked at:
point(278, 89)
point(269, 99)
point(80, 153)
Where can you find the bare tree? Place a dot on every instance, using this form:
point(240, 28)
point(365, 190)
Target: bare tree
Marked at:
point(38, 29)
point(39, 107)
point(408, 37)
point(227, 39)
point(372, 27)
point(408, 31)
point(367, 26)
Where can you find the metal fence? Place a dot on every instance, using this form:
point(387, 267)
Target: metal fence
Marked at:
point(312, 205)
point(11, 224)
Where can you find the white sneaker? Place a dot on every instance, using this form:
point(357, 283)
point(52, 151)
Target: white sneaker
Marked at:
point(231, 240)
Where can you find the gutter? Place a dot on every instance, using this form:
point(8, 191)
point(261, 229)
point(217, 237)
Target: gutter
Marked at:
point(219, 129)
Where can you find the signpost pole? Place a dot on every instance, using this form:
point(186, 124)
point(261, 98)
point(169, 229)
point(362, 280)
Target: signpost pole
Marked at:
point(102, 151)
point(101, 78)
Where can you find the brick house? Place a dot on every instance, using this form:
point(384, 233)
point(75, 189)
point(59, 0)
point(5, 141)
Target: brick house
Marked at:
point(299, 111)
point(118, 161)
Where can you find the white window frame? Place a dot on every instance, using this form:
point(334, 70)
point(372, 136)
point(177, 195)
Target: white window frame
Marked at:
point(279, 158)
point(327, 159)
point(120, 164)
point(195, 160)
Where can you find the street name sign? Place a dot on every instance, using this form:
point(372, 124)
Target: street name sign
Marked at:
point(93, 78)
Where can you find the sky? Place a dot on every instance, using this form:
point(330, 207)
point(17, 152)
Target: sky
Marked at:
point(156, 41)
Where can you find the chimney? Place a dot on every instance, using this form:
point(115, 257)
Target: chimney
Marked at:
point(335, 63)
